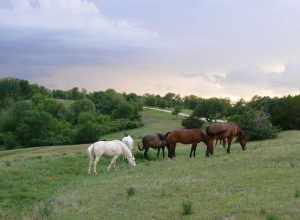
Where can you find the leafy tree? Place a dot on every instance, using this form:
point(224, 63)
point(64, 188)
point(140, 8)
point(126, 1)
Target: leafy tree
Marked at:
point(212, 108)
point(192, 122)
point(124, 110)
point(191, 101)
point(176, 110)
point(34, 128)
point(87, 132)
point(256, 124)
point(9, 140)
point(79, 106)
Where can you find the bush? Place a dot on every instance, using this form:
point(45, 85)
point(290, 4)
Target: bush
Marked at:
point(187, 208)
point(256, 124)
point(192, 122)
point(272, 217)
point(124, 110)
point(9, 140)
point(297, 193)
point(35, 128)
point(130, 191)
point(86, 133)
point(176, 110)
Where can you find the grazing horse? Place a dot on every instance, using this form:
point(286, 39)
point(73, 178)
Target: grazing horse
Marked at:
point(226, 132)
point(113, 149)
point(155, 141)
point(187, 136)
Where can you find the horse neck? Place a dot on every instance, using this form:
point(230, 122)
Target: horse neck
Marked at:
point(126, 152)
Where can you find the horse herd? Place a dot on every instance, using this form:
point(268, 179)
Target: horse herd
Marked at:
point(223, 132)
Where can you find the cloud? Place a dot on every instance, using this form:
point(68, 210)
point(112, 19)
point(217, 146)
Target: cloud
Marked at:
point(273, 68)
point(36, 33)
point(79, 16)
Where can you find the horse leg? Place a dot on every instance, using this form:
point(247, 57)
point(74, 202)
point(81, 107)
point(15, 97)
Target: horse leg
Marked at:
point(191, 150)
point(210, 148)
point(146, 153)
point(163, 152)
point(158, 151)
point(174, 151)
point(169, 150)
point(195, 148)
point(112, 162)
point(90, 166)
point(95, 165)
point(224, 142)
point(229, 144)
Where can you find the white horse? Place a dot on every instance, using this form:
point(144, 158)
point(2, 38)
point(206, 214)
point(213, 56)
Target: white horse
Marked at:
point(113, 149)
point(128, 141)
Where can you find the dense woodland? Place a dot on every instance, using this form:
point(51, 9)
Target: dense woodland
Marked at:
point(261, 117)
point(31, 115)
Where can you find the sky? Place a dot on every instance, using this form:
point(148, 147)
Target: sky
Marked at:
point(209, 48)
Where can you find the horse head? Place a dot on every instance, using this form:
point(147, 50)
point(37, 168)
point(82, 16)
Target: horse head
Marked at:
point(242, 139)
point(131, 161)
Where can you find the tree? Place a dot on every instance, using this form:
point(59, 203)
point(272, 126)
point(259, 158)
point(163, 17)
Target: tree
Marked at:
point(177, 110)
point(192, 122)
point(79, 106)
point(34, 128)
point(212, 108)
point(256, 124)
point(124, 110)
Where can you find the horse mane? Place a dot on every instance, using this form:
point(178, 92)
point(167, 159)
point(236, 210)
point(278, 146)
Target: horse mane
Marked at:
point(126, 151)
point(242, 134)
point(161, 136)
point(166, 134)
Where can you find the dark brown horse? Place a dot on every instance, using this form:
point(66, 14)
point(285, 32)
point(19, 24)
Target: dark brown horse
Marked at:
point(155, 141)
point(187, 136)
point(226, 132)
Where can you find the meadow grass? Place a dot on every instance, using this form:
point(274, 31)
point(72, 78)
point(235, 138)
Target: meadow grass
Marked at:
point(52, 182)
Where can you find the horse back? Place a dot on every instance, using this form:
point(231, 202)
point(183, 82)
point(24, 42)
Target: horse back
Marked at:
point(186, 136)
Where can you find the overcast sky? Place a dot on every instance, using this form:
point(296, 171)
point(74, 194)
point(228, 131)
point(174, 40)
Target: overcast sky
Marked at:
point(220, 48)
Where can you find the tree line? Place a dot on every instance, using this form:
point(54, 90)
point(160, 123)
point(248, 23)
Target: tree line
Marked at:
point(261, 117)
point(32, 115)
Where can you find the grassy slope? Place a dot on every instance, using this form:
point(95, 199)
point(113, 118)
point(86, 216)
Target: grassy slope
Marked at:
point(52, 182)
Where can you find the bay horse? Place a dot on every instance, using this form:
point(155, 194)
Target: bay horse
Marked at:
point(187, 136)
point(155, 141)
point(226, 132)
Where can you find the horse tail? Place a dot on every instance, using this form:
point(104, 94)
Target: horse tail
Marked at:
point(140, 148)
point(91, 152)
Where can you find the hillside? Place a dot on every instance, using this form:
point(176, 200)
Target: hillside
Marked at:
point(52, 182)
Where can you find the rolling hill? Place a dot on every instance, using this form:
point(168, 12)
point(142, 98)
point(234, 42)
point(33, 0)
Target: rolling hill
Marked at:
point(52, 182)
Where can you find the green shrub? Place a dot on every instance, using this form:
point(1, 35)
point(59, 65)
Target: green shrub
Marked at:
point(176, 110)
point(192, 122)
point(256, 124)
point(272, 217)
point(9, 140)
point(86, 133)
point(187, 208)
point(297, 193)
point(130, 191)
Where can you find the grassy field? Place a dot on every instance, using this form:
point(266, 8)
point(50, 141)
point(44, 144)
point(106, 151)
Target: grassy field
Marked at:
point(52, 182)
